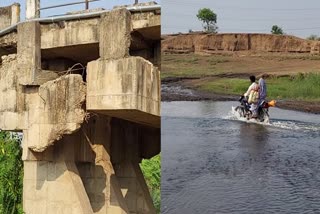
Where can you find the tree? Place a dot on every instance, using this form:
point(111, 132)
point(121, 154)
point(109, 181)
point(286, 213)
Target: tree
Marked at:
point(209, 18)
point(276, 30)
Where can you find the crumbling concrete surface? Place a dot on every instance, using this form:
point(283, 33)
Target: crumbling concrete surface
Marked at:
point(86, 95)
point(59, 111)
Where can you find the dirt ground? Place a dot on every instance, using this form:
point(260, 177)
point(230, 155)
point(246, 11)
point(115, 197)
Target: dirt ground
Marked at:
point(237, 64)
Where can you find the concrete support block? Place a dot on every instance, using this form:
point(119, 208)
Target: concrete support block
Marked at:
point(55, 110)
point(32, 9)
point(134, 188)
point(115, 29)
point(54, 187)
point(29, 52)
point(127, 88)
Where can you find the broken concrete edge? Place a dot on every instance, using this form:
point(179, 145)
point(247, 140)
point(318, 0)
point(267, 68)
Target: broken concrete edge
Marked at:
point(49, 94)
point(58, 135)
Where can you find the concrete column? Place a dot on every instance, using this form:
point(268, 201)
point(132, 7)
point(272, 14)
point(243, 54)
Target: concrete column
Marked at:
point(9, 15)
point(115, 39)
point(15, 13)
point(32, 9)
point(29, 52)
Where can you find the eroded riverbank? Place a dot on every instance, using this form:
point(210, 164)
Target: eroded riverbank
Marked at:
point(176, 89)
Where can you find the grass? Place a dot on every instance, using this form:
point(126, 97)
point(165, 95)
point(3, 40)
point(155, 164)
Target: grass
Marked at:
point(304, 87)
point(152, 172)
point(195, 65)
point(190, 65)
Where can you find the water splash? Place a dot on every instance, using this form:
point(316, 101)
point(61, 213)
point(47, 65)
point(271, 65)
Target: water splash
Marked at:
point(278, 123)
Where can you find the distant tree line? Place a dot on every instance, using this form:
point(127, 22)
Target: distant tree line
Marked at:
point(313, 37)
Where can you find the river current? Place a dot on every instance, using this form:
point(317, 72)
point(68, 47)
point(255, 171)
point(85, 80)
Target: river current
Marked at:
point(212, 162)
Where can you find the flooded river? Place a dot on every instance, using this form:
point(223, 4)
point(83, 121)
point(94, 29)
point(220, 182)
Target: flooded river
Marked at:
point(214, 163)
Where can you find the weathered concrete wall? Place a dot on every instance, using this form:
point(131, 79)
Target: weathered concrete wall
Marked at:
point(9, 15)
point(210, 43)
point(69, 33)
point(85, 129)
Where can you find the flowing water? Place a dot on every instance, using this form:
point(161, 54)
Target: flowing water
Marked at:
point(215, 163)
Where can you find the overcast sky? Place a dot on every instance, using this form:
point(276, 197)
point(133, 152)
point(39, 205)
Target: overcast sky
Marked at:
point(106, 4)
point(296, 17)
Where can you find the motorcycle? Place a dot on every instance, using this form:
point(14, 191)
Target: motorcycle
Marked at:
point(263, 110)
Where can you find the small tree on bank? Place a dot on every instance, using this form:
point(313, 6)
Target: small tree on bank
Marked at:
point(209, 19)
point(277, 30)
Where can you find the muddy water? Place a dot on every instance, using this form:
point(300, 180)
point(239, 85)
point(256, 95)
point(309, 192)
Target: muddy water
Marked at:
point(214, 163)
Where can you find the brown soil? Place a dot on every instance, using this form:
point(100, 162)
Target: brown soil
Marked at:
point(211, 43)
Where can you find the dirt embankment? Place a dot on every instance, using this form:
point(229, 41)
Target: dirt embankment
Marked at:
point(213, 43)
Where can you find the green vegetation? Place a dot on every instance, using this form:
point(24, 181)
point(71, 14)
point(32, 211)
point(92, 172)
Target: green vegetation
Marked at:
point(298, 87)
point(11, 174)
point(277, 30)
point(209, 18)
point(313, 37)
point(152, 173)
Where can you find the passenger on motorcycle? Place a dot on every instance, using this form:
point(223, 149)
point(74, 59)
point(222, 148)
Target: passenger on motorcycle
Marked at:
point(262, 87)
point(252, 96)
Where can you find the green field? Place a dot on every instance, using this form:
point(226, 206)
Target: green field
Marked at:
point(304, 87)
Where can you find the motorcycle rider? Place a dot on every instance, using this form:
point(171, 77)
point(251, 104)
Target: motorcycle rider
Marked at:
point(252, 96)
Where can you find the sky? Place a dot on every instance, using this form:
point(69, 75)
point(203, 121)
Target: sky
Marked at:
point(106, 4)
point(296, 17)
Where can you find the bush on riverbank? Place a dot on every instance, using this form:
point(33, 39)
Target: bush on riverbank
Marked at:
point(152, 173)
point(304, 87)
point(11, 174)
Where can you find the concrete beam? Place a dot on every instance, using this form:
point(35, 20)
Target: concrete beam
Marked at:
point(70, 33)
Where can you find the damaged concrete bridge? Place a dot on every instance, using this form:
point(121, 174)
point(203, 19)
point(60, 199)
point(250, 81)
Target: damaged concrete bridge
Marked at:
point(84, 88)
